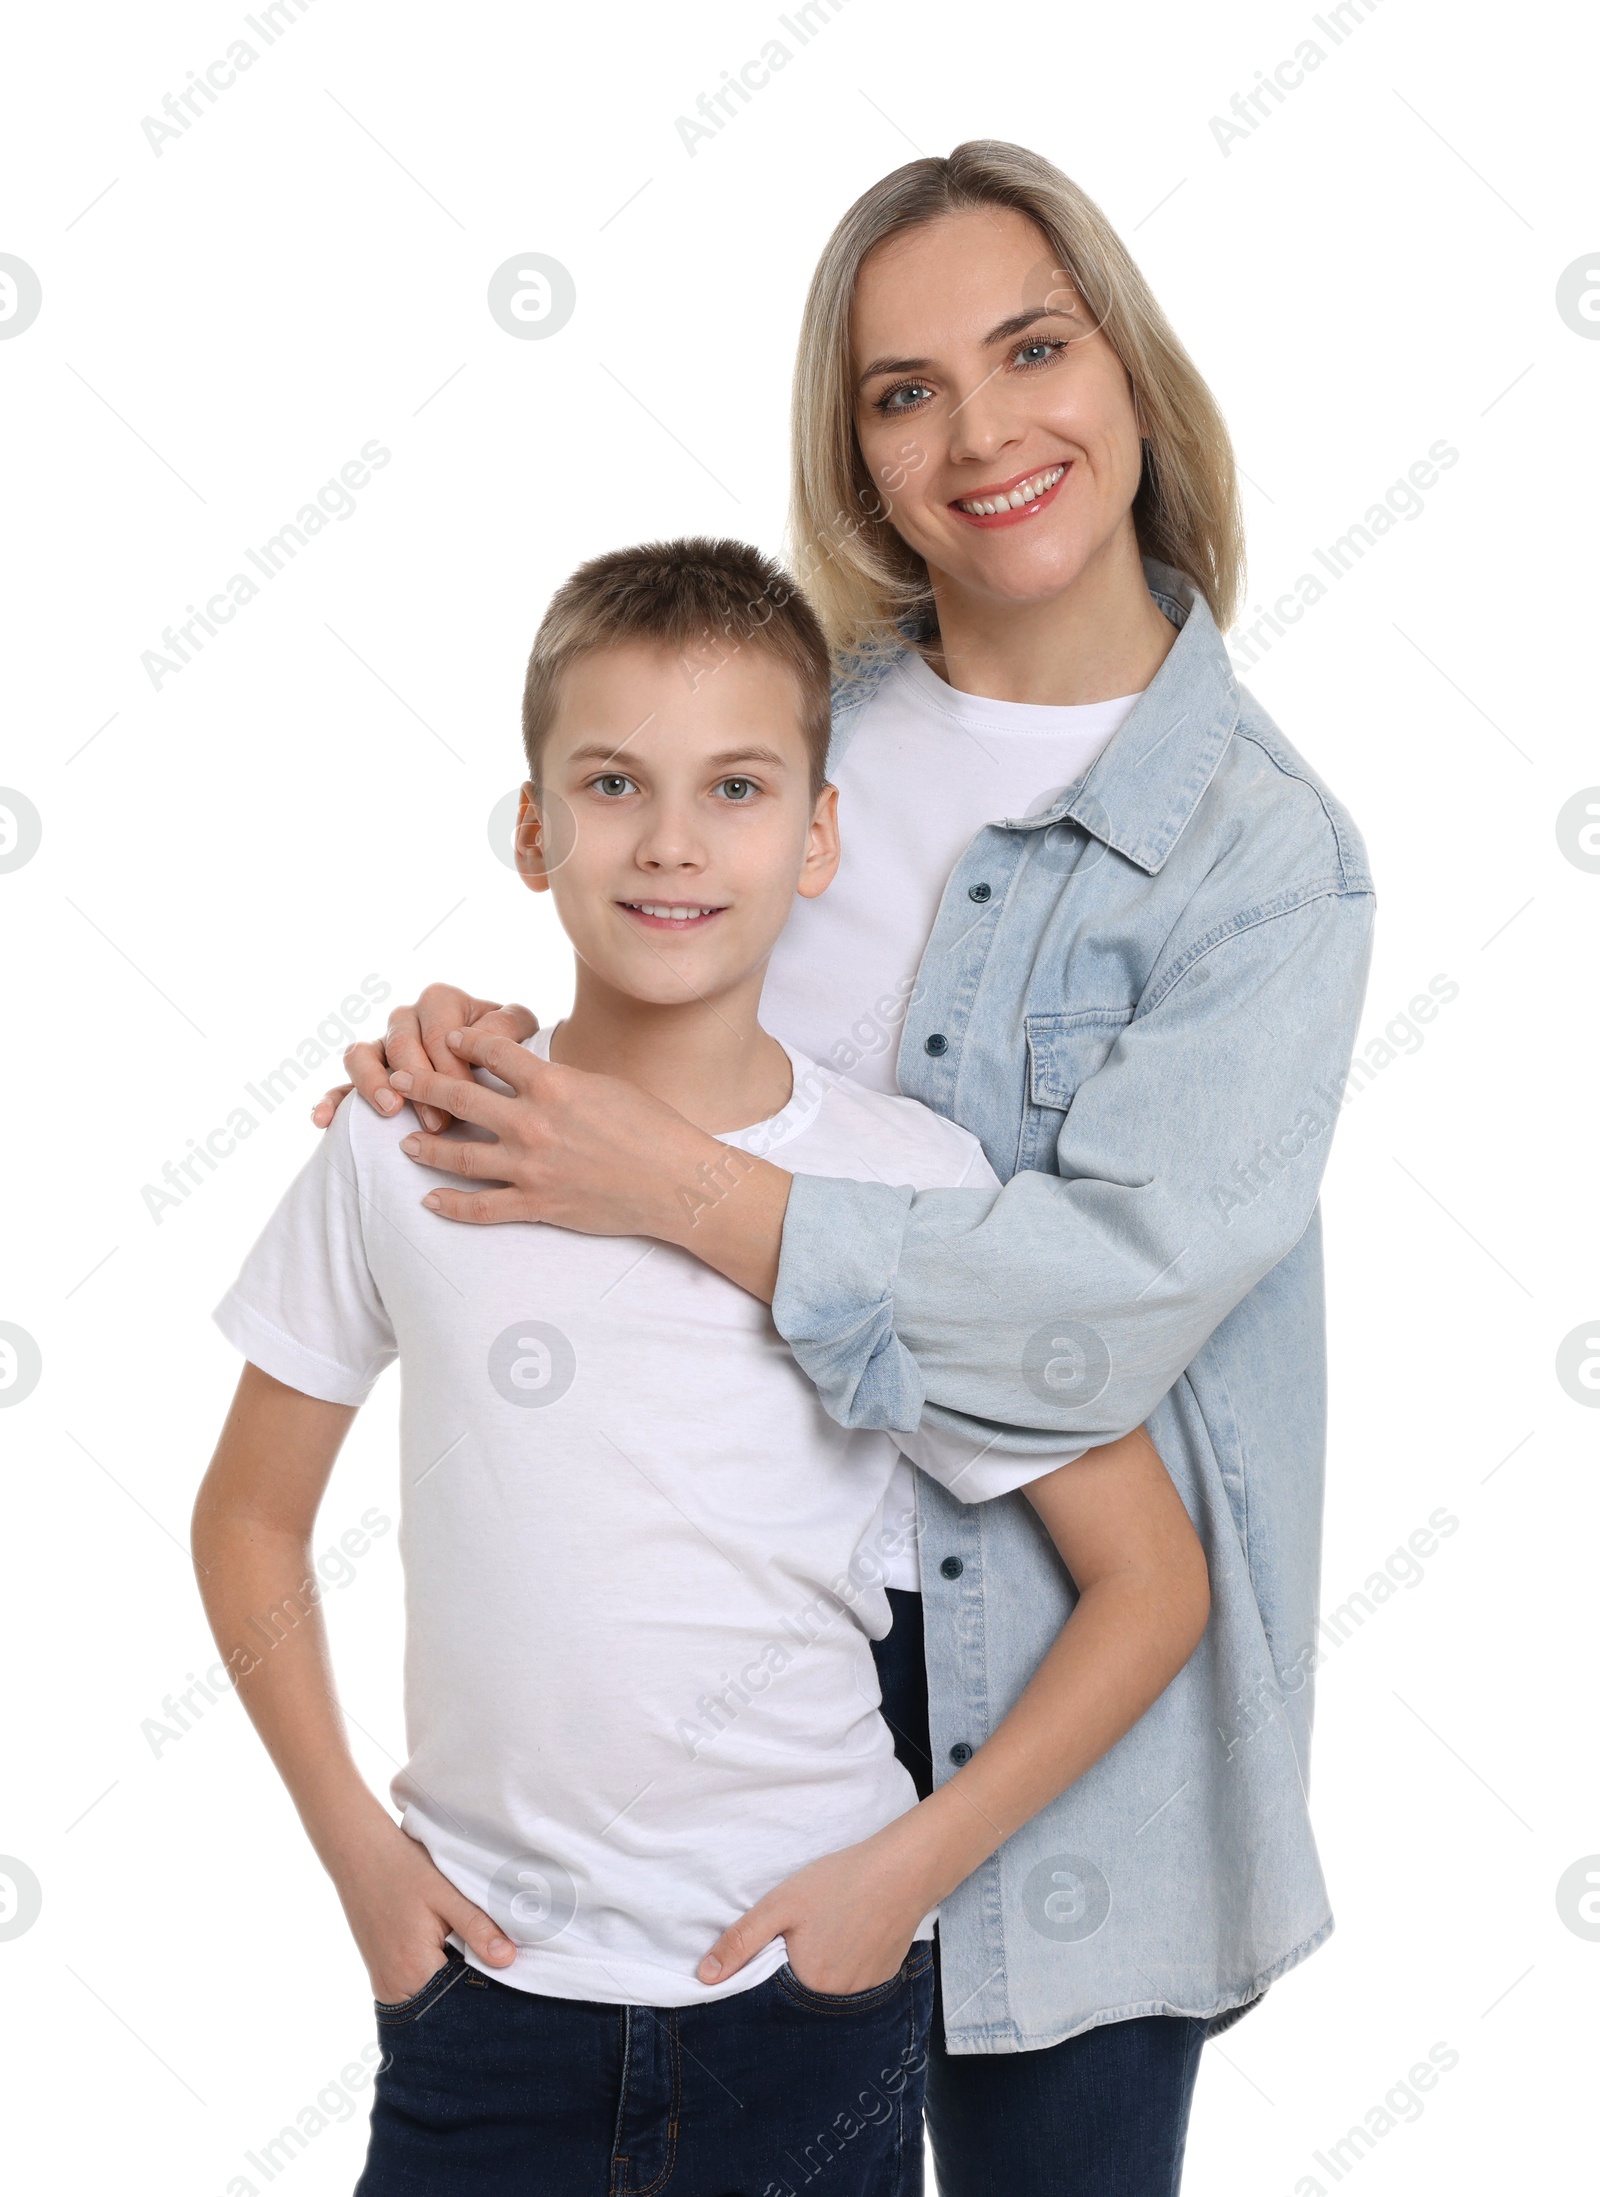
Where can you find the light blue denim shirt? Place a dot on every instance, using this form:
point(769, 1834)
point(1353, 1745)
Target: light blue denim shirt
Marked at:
point(1143, 1002)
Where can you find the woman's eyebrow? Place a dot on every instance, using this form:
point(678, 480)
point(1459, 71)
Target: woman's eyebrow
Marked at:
point(1012, 327)
point(892, 366)
point(1018, 321)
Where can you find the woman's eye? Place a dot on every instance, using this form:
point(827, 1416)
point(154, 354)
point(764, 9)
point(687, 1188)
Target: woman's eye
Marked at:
point(911, 392)
point(612, 784)
point(737, 789)
point(1037, 354)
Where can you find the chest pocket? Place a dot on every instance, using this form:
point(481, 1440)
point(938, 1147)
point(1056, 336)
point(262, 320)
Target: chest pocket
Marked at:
point(1063, 1052)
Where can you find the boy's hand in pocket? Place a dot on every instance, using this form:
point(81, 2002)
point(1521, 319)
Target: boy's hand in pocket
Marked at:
point(401, 1909)
point(848, 1919)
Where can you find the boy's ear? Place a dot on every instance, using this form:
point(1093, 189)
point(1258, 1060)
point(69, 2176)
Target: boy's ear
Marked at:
point(821, 862)
point(530, 849)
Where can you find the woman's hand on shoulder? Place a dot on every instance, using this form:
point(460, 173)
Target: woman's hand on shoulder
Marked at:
point(416, 1041)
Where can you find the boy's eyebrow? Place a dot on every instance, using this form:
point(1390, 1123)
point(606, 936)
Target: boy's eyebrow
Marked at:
point(603, 751)
point(1012, 327)
point(730, 756)
point(598, 751)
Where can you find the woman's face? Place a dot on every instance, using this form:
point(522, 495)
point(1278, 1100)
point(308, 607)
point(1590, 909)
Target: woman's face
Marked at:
point(980, 378)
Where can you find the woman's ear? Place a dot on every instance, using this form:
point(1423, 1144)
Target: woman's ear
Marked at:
point(530, 849)
point(822, 846)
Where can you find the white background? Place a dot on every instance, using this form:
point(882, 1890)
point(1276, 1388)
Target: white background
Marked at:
point(306, 803)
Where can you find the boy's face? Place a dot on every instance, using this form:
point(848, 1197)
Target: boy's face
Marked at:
point(673, 821)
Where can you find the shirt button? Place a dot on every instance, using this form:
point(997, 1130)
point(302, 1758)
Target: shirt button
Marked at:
point(960, 1752)
point(980, 892)
point(936, 1044)
point(952, 1567)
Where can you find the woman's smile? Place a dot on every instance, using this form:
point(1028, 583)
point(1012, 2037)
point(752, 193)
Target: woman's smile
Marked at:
point(1024, 496)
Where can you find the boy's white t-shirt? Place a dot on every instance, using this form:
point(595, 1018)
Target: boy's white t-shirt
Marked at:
point(641, 1579)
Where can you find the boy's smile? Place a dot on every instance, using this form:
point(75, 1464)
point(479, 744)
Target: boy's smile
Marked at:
point(671, 915)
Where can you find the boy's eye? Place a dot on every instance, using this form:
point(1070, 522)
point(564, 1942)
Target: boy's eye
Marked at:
point(737, 789)
point(613, 783)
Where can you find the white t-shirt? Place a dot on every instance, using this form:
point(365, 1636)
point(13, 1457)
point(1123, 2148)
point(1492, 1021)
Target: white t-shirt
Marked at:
point(640, 1582)
point(927, 767)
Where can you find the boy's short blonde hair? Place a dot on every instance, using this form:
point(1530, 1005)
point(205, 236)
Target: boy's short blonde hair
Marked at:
point(705, 599)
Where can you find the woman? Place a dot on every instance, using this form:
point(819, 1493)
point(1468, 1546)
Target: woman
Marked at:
point(1122, 932)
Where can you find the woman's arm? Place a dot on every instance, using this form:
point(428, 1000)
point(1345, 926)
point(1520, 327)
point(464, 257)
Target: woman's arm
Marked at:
point(599, 1155)
point(1063, 1307)
point(1143, 1601)
point(252, 1528)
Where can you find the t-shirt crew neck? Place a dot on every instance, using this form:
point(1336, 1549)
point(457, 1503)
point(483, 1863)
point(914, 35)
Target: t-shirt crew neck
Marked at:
point(1078, 725)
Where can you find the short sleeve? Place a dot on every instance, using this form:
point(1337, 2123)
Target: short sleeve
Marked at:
point(305, 1307)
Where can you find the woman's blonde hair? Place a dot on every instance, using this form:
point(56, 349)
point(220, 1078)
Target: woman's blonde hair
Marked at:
point(869, 588)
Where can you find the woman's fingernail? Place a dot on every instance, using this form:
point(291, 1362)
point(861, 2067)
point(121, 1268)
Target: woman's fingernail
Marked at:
point(431, 1201)
point(401, 1079)
point(457, 1038)
point(411, 1146)
point(387, 1102)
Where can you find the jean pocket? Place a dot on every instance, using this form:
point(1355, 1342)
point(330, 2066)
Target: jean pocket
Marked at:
point(853, 2002)
point(405, 2010)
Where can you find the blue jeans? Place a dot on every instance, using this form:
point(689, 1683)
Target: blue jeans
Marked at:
point(1103, 2115)
point(769, 2093)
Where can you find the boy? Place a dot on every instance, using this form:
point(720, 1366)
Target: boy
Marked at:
point(641, 1594)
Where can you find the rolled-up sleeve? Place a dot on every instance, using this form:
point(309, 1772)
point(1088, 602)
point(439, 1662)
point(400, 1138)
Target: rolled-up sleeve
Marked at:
point(1056, 1312)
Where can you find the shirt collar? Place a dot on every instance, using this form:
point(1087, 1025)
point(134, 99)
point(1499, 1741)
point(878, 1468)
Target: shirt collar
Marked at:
point(1147, 781)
